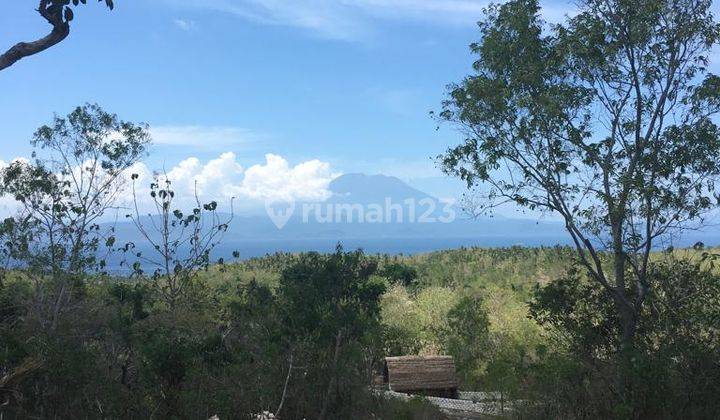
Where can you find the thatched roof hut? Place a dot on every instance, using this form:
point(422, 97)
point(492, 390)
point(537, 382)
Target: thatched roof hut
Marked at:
point(426, 375)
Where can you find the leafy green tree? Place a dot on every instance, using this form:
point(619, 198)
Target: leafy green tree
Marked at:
point(397, 272)
point(331, 304)
point(579, 311)
point(605, 120)
point(674, 372)
point(77, 173)
point(467, 337)
point(59, 14)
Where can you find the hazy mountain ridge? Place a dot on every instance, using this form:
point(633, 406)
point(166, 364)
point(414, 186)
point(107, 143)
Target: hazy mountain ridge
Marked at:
point(360, 192)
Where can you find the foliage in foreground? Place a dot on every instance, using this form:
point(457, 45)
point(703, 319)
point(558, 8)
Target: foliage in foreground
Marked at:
point(606, 120)
point(673, 372)
point(123, 352)
point(302, 350)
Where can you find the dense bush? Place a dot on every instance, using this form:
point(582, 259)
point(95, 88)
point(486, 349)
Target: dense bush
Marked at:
point(305, 349)
point(467, 338)
point(484, 326)
point(400, 273)
point(178, 337)
point(672, 371)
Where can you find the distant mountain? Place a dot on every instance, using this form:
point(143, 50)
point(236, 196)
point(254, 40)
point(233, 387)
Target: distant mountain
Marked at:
point(367, 189)
point(256, 234)
point(380, 206)
point(318, 226)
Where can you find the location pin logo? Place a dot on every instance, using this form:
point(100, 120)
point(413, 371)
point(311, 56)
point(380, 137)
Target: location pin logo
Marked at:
point(279, 211)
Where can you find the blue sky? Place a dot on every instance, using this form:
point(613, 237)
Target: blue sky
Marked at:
point(327, 86)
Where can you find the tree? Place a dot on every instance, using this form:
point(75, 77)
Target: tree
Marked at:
point(674, 373)
point(59, 14)
point(466, 336)
point(605, 120)
point(331, 304)
point(76, 175)
point(181, 243)
point(397, 272)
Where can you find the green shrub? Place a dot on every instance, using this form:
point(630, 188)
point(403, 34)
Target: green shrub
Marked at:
point(673, 368)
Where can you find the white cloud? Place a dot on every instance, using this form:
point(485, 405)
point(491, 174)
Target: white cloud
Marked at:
point(354, 19)
point(212, 138)
point(277, 180)
point(8, 206)
point(184, 24)
point(216, 178)
point(223, 178)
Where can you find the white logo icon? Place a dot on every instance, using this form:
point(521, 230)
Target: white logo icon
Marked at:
point(279, 212)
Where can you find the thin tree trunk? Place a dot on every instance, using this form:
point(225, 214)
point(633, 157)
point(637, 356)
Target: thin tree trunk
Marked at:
point(287, 381)
point(626, 312)
point(333, 377)
point(625, 353)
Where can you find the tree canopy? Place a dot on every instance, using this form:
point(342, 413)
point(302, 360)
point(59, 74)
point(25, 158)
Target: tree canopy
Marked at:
point(606, 120)
point(76, 175)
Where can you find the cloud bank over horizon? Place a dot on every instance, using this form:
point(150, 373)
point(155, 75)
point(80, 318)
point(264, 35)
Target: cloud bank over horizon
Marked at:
point(223, 179)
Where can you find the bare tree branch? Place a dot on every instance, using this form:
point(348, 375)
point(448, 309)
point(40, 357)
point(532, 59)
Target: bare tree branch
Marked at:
point(59, 15)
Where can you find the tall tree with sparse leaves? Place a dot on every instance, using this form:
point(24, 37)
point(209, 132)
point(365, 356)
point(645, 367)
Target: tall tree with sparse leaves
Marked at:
point(77, 173)
point(606, 120)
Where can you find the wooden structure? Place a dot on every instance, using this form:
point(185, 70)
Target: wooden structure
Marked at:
point(425, 375)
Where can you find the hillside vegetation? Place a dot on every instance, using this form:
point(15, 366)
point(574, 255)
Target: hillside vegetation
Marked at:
point(513, 318)
point(301, 334)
